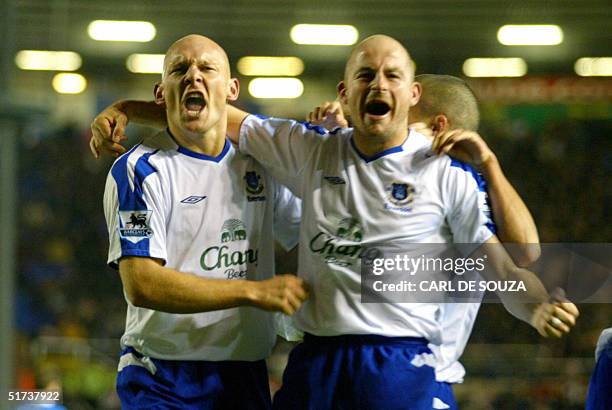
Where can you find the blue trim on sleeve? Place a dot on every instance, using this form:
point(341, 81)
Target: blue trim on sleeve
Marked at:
point(374, 157)
point(480, 181)
point(317, 128)
point(205, 157)
point(482, 187)
point(132, 200)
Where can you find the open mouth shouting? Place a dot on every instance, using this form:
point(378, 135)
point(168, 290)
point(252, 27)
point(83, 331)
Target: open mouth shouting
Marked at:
point(377, 109)
point(194, 103)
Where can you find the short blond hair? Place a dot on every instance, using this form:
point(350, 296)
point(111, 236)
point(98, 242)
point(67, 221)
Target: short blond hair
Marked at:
point(451, 96)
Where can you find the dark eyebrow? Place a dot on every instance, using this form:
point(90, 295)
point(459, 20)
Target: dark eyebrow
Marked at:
point(177, 62)
point(394, 70)
point(364, 70)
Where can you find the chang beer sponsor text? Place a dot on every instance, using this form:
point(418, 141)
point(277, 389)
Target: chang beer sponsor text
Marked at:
point(343, 248)
point(226, 257)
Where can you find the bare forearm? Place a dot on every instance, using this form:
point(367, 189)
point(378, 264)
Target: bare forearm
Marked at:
point(500, 267)
point(519, 305)
point(144, 112)
point(514, 222)
point(150, 285)
point(168, 290)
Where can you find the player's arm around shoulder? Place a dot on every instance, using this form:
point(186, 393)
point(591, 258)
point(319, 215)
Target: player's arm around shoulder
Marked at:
point(283, 146)
point(147, 283)
point(108, 128)
point(513, 220)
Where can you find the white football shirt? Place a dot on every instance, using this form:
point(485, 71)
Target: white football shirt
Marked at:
point(349, 202)
point(209, 216)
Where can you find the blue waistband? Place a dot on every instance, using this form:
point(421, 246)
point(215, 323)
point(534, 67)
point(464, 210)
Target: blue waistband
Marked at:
point(130, 349)
point(365, 340)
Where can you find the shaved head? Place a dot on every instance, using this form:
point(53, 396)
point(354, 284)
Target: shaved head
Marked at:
point(195, 88)
point(200, 41)
point(378, 89)
point(378, 42)
point(448, 95)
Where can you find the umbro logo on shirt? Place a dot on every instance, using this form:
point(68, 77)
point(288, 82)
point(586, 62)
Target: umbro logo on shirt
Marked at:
point(193, 199)
point(335, 180)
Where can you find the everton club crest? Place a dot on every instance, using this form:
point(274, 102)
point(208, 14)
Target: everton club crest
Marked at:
point(254, 186)
point(400, 193)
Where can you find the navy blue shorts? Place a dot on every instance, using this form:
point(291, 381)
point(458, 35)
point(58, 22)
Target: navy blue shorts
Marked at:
point(362, 372)
point(145, 383)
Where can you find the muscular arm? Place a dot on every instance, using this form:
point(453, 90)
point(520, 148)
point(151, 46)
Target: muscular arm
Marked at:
point(108, 128)
point(514, 222)
point(149, 284)
point(144, 112)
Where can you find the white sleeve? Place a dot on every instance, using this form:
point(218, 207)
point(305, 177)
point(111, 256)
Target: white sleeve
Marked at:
point(287, 217)
point(133, 207)
point(282, 146)
point(468, 212)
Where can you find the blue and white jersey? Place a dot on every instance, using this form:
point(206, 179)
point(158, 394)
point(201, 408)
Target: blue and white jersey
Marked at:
point(209, 216)
point(400, 196)
point(457, 321)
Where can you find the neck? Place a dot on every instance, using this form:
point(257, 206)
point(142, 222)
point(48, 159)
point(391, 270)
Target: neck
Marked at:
point(371, 145)
point(210, 143)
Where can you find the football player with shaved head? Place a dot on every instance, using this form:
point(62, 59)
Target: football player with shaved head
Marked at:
point(189, 222)
point(448, 113)
point(374, 184)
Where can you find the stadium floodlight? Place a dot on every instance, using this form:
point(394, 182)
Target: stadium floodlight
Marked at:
point(530, 35)
point(495, 67)
point(116, 30)
point(594, 66)
point(324, 34)
point(48, 60)
point(69, 83)
point(270, 66)
point(272, 87)
point(145, 63)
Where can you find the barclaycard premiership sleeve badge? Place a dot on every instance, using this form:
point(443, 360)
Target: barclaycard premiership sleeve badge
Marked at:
point(135, 225)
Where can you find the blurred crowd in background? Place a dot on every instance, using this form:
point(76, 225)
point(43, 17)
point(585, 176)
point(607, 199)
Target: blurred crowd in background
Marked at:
point(70, 309)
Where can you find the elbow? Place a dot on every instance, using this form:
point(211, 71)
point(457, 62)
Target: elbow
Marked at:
point(528, 255)
point(134, 287)
point(136, 296)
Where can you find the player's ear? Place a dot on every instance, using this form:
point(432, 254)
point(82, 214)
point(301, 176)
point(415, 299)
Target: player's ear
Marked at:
point(233, 89)
point(341, 90)
point(441, 123)
point(158, 92)
point(415, 89)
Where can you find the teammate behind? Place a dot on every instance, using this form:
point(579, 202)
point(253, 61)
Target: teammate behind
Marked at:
point(190, 226)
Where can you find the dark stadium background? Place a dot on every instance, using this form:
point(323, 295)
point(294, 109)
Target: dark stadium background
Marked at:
point(63, 309)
